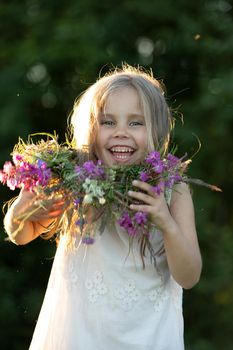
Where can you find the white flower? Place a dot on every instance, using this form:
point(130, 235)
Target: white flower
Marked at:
point(88, 199)
point(112, 174)
point(102, 200)
point(87, 181)
point(97, 191)
point(91, 187)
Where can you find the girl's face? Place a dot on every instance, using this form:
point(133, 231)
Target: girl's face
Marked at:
point(122, 135)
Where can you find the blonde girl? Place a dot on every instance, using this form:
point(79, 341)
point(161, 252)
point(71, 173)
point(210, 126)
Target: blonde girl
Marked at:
point(100, 296)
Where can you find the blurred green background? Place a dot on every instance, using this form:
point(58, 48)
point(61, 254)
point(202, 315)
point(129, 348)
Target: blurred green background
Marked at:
point(52, 50)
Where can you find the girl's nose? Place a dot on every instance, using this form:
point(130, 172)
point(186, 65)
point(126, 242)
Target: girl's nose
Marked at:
point(121, 131)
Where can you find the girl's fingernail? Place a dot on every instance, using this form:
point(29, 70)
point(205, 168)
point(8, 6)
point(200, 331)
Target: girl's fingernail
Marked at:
point(129, 193)
point(134, 182)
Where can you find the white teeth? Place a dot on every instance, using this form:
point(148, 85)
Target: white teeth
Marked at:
point(121, 156)
point(122, 149)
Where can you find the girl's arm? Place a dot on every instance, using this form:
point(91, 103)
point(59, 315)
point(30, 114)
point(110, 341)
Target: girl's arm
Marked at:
point(37, 222)
point(177, 224)
point(180, 239)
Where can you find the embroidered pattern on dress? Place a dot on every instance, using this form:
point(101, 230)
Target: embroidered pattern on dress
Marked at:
point(71, 274)
point(126, 296)
point(96, 287)
point(65, 270)
point(158, 296)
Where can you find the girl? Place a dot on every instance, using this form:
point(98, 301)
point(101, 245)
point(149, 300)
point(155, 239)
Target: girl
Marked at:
point(96, 297)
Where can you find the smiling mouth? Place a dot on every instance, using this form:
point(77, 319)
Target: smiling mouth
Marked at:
point(121, 153)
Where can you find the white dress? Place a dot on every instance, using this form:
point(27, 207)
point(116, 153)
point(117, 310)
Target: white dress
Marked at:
point(100, 298)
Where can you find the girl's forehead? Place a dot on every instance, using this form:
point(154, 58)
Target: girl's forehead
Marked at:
point(123, 101)
point(121, 93)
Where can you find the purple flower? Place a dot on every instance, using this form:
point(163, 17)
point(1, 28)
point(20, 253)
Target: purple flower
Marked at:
point(89, 167)
point(80, 222)
point(80, 172)
point(88, 240)
point(153, 157)
point(90, 170)
point(126, 222)
point(32, 175)
point(78, 169)
point(159, 188)
point(174, 178)
point(77, 201)
point(131, 231)
point(41, 164)
point(172, 160)
point(140, 218)
point(144, 176)
point(158, 167)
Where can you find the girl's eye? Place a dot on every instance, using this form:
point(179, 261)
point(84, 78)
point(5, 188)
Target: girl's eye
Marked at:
point(107, 122)
point(135, 123)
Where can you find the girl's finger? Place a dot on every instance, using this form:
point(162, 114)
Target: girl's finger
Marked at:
point(46, 215)
point(144, 187)
point(143, 197)
point(144, 208)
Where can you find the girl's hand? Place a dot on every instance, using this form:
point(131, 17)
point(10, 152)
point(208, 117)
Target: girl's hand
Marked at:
point(36, 210)
point(177, 222)
point(28, 216)
point(155, 205)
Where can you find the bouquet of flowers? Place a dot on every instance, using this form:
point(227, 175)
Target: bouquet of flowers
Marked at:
point(51, 170)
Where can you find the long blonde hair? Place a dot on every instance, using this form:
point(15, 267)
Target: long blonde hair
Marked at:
point(158, 117)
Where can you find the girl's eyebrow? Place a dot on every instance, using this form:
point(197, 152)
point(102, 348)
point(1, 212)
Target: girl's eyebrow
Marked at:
point(134, 115)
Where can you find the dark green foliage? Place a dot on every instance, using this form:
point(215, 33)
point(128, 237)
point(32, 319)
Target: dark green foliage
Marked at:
point(50, 51)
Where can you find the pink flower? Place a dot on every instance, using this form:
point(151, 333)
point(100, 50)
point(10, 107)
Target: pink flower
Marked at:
point(17, 158)
point(9, 168)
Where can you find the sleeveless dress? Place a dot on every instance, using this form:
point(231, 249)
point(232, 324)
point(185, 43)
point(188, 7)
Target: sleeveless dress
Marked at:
point(99, 297)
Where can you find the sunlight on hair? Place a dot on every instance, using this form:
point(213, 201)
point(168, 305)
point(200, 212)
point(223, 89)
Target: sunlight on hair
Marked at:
point(81, 120)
